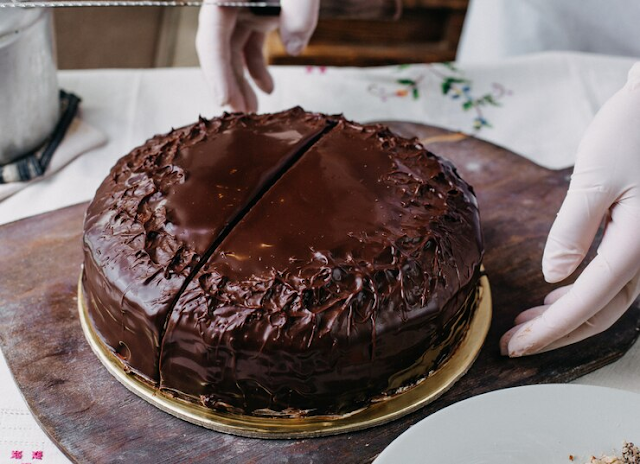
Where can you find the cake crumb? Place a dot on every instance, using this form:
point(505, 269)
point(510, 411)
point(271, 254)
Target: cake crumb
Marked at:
point(630, 455)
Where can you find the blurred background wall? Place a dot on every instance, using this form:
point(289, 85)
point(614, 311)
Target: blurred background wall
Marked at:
point(428, 31)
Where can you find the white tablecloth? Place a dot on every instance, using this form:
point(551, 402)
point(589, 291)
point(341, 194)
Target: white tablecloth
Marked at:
point(537, 106)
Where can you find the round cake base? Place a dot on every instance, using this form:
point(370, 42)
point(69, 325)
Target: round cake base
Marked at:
point(377, 413)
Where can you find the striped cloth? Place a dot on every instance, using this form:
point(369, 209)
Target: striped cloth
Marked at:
point(35, 163)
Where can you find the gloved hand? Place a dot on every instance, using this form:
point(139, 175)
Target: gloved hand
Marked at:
point(232, 39)
point(605, 184)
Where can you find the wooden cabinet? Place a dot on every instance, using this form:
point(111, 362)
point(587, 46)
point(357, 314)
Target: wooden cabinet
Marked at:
point(427, 31)
point(126, 37)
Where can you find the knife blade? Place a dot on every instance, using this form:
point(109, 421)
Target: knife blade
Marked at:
point(273, 5)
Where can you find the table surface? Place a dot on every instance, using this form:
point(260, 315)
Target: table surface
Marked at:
point(537, 106)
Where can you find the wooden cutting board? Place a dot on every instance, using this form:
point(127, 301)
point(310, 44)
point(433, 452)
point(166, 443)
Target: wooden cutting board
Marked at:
point(92, 418)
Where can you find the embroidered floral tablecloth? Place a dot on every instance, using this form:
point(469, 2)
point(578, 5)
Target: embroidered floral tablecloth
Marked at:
point(537, 106)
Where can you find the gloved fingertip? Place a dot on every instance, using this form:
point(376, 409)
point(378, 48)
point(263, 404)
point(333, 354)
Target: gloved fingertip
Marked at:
point(514, 353)
point(504, 351)
point(521, 344)
point(294, 45)
point(504, 341)
point(510, 351)
point(513, 350)
point(268, 85)
point(554, 273)
point(517, 342)
point(265, 83)
point(558, 264)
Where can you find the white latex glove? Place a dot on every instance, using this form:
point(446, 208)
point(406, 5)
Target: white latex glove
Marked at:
point(232, 39)
point(605, 185)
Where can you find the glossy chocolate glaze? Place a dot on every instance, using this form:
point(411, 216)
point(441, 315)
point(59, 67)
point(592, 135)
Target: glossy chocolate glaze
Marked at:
point(161, 208)
point(348, 279)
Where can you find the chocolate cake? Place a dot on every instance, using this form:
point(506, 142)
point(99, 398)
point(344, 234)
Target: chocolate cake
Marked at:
point(283, 264)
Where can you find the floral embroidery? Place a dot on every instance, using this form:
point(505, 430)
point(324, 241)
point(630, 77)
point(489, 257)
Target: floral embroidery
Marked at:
point(408, 87)
point(36, 455)
point(453, 84)
point(459, 88)
point(15, 454)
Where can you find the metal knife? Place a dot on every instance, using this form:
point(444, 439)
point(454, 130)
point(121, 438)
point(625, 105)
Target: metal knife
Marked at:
point(269, 7)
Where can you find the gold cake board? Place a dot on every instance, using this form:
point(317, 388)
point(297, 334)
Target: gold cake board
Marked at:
point(377, 413)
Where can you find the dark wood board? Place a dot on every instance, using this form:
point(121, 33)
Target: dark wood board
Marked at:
point(92, 418)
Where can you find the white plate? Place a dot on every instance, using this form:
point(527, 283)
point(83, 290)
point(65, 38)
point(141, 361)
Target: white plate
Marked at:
point(539, 424)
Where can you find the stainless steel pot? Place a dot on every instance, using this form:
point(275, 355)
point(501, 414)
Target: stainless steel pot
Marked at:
point(29, 101)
